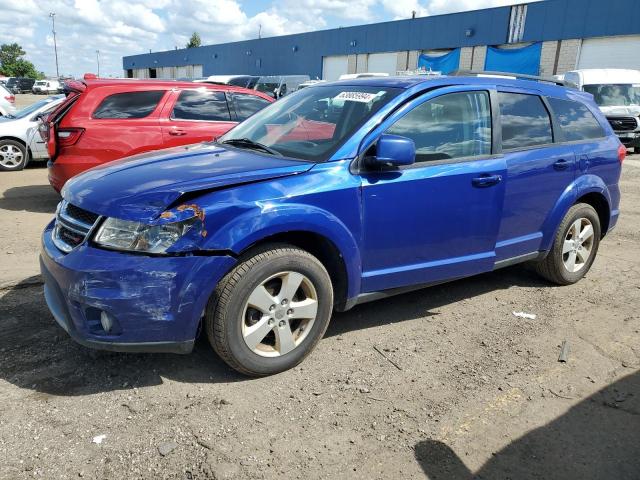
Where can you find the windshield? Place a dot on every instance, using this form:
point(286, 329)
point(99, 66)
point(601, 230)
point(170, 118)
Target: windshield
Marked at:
point(12, 82)
point(39, 82)
point(615, 95)
point(33, 107)
point(311, 124)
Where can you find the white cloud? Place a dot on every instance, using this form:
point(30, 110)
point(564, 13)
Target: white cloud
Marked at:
point(124, 27)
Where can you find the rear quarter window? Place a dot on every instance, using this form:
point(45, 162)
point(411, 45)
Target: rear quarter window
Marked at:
point(525, 121)
point(200, 105)
point(129, 105)
point(576, 120)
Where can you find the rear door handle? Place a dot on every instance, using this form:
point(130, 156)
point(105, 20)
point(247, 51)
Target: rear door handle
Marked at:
point(177, 131)
point(562, 164)
point(486, 180)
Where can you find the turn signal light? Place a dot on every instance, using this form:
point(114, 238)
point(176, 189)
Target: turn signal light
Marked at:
point(622, 153)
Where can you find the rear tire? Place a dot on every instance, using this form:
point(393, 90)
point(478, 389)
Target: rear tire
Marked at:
point(270, 311)
point(13, 155)
point(574, 248)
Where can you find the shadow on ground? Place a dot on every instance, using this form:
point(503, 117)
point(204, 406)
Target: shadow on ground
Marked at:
point(30, 198)
point(598, 439)
point(37, 354)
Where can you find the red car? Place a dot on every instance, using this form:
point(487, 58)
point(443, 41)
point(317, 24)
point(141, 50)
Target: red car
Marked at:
point(104, 120)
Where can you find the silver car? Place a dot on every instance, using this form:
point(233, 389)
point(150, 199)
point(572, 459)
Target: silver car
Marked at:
point(16, 132)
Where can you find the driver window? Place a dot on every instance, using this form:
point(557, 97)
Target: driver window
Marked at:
point(455, 125)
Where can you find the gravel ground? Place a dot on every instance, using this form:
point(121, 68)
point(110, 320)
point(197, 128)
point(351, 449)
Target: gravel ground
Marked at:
point(441, 383)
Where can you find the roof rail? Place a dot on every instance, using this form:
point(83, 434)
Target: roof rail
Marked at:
point(521, 76)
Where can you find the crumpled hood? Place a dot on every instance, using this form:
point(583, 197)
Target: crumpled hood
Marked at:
point(141, 187)
point(630, 111)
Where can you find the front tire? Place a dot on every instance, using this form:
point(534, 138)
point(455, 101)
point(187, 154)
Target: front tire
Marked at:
point(574, 248)
point(270, 311)
point(13, 155)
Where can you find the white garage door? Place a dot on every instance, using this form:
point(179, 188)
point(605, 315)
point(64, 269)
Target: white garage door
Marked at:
point(383, 63)
point(612, 52)
point(333, 67)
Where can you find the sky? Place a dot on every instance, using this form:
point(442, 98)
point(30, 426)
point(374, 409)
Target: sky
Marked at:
point(117, 28)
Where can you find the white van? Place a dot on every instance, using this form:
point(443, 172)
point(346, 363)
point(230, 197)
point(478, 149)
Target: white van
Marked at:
point(46, 87)
point(617, 93)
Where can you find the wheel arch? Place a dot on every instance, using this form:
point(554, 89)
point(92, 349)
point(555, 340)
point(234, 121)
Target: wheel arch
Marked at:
point(589, 189)
point(320, 247)
point(311, 228)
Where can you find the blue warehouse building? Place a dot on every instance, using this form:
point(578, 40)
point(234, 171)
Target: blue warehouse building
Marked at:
point(546, 38)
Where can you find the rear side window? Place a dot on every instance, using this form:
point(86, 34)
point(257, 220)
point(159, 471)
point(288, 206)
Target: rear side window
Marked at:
point(129, 105)
point(247, 105)
point(525, 121)
point(204, 105)
point(456, 125)
point(576, 120)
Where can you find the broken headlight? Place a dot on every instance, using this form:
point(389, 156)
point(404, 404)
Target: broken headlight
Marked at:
point(139, 237)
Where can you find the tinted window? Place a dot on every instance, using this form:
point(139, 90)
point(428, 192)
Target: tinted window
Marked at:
point(201, 105)
point(576, 120)
point(247, 105)
point(128, 105)
point(525, 121)
point(451, 126)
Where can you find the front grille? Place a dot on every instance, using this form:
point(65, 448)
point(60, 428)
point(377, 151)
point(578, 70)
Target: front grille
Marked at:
point(73, 225)
point(623, 123)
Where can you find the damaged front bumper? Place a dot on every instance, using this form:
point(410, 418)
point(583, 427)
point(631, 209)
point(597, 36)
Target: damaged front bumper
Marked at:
point(151, 303)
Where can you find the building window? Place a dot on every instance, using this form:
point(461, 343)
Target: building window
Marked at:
point(516, 23)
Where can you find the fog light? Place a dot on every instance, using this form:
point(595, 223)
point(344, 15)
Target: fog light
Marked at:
point(106, 322)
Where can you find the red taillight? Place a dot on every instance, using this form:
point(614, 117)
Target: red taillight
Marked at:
point(622, 153)
point(10, 99)
point(69, 136)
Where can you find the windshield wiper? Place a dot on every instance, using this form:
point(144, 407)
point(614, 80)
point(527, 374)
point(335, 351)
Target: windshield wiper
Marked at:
point(248, 143)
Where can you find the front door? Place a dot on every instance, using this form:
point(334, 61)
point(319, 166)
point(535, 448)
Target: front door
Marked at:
point(439, 218)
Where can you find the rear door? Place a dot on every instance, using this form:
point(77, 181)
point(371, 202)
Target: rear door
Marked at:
point(195, 115)
point(539, 170)
point(437, 219)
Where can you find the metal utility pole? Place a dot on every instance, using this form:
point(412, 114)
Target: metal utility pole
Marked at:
point(260, 31)
point(55, 45)
point(98, 60)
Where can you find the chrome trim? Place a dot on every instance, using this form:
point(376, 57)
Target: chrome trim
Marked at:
point(73, 225)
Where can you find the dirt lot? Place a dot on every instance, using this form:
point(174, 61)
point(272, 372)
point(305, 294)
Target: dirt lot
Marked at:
point(441, 383)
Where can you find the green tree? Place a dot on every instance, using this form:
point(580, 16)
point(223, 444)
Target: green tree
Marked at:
point(194, 41)
point(13, 65)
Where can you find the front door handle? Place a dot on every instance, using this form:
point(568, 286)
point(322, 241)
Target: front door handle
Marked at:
point(178, 132)
point(562, 164)
point(486, 180)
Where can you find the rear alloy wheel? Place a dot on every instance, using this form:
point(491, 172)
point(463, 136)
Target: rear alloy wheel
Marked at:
point(575, 246)
point(270, 311)
point(13, 155)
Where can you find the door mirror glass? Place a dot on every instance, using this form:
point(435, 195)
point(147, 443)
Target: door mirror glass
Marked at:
point(394, 151)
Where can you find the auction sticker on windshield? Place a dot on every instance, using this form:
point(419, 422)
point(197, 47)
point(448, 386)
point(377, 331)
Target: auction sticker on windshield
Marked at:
point(363, 97)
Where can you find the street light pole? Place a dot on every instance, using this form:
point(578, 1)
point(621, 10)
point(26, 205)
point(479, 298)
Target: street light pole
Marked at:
point(55, 45)
point(98, 60)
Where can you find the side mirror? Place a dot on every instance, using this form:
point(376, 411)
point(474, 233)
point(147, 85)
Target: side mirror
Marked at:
point(394, 151)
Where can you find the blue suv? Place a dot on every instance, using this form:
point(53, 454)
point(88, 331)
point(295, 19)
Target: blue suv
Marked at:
point(336, 195)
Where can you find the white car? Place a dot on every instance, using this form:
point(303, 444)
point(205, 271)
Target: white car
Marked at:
point(7, 101)
point(46, 87)
point(617, 93)
point(16, 132)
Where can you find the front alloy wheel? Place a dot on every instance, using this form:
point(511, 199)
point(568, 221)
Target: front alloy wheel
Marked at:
point(270, 311)
point(12, 155)
point(279, 314)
